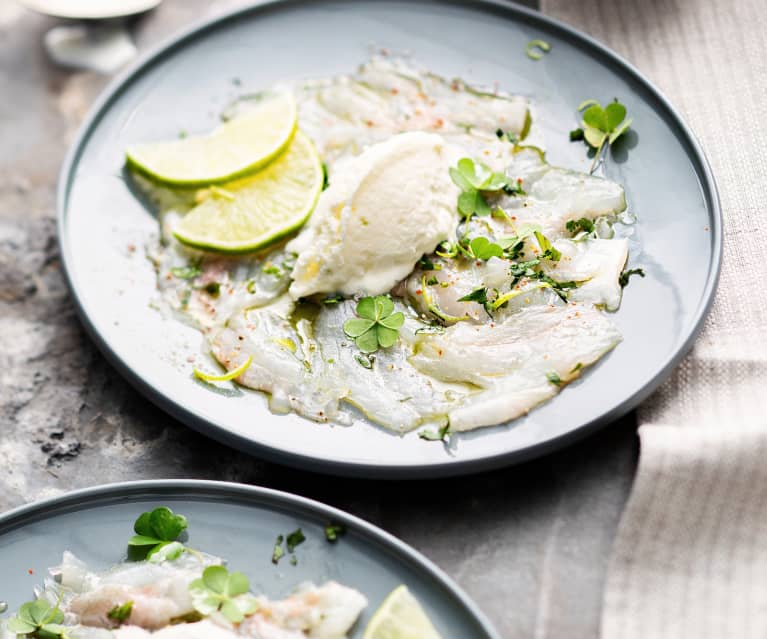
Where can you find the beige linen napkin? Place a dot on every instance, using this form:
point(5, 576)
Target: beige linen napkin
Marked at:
point(690, 559)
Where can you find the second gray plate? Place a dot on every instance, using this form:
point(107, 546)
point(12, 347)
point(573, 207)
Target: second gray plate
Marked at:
point(240, 524)
point(184, 86)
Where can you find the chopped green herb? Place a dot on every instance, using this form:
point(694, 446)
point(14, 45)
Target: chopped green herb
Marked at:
point(576, 226)
point(212, 288)
point(576, 368)
point(333, 299)
point(432, 281)
point(602, 126)
point(38, 618)
point(364, 360)
point(293, 560)
point(272, 269)
point(278, 551)
point(334, 531)
point(554, 379)
point(478, 295)
point(294, 539)
point(376, 325)
point(624, 278)
point(536, 48)
point(549, 252)
point(447, 249)
point(434, 327)
point(121, 612)
point(508, 135)
point(576, 134)
point(223, 591)
point(425, 264)
point(185, 272)
point(431, 435)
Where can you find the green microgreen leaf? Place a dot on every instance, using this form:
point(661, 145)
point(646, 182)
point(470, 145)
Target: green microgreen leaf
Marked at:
point(377, 325)
point(38, 617)
point(576, 134)
point(220, 590)
point(333, 299)
point(601, 126)
point(484, 249)
point(333, 531)
point(155, 530)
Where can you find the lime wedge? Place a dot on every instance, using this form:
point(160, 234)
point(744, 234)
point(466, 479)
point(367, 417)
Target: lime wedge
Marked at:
point(400, 616)
point(250, 213)
point(238, 146)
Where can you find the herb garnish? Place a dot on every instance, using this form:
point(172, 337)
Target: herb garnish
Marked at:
point(333, 531)
point(296, 538)
point(576, 134)
point(156, 533)
point(601, 126)
point(292, 541)
point(500, 134)
point(376, 325)
point(38, 618)
point(333, 299)
point(583, 225)
point(624, 278)
point(554, 379)
point(536, 48)
point(121, 612)
point(219, 589)
point(185, 272)
point(474, 178)
point(439, 435)
point(483, 249)
point(278, 551)
point(425, 264)
point(549, 252)
point(478, 295)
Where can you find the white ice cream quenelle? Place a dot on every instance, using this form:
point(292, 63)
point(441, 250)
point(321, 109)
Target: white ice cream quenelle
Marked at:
point(382, 211)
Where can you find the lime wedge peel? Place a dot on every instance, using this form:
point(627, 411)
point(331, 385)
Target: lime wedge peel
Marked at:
point(236, 372)
point(255, 211)
point(237, 147)
point(400, 616)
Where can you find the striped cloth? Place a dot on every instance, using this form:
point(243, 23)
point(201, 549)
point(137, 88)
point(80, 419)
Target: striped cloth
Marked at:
point(690, 559)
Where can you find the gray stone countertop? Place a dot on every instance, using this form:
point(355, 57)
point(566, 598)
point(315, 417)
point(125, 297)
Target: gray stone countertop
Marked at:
point(529, 543)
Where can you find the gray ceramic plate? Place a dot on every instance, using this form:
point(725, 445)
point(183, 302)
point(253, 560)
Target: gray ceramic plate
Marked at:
point(185, 84)
point(239, 523)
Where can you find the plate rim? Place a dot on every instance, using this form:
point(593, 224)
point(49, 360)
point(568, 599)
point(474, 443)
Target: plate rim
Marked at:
point(349, 467)
point(90, 497)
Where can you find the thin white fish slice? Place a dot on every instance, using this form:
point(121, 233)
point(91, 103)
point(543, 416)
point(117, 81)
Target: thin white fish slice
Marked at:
point(514, 361)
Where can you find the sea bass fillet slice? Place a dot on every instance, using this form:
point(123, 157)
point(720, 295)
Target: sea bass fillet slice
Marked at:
point(515, 361)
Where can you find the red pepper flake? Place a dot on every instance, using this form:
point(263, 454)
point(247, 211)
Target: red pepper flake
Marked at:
point(519, 180)
point(418, 291)
point(370, 123)
point(439, 123)
point(439, 351)
point(131, 248)
point(394, 91)
point(30, 571)
point(513, 217)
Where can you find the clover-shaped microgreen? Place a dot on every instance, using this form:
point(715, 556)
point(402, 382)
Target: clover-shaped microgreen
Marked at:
point(156, 533)
point(38, 618)
point(474, 178)
point(120, 613)
point(224, 591)
point(483, 249)
point(601, 126)
point(376, 325)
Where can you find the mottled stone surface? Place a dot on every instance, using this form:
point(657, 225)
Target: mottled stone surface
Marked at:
point(529, 543)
